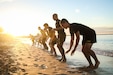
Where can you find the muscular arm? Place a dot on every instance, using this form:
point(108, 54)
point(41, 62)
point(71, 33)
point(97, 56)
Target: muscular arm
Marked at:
point(71, 43)
point(77, 41)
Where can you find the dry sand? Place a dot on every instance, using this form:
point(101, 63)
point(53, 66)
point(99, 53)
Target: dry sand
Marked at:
point(22, 59)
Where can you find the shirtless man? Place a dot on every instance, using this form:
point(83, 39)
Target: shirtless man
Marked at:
point(43, 38)
point(53, 40)
point(61, 37)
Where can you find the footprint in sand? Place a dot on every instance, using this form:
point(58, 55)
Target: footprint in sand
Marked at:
point(23, 70)
point(19, 58)
point(28, 57)
point(43, 66)
point(24, 64)
point(60, 74)
point(25, 74)
point(36, 65)
point(42, 74)
point(36, 59)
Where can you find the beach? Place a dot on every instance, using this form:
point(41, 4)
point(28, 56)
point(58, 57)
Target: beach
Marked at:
point(18, 58)
point(78, 60)
point(21, 58)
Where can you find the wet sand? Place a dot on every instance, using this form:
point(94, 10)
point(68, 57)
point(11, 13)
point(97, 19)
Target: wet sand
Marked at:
point(22, 59)
point(78, 61)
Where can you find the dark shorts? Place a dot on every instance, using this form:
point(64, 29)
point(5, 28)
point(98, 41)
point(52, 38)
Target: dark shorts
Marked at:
point(61, 38)
point(89, 38)
point(53, 42)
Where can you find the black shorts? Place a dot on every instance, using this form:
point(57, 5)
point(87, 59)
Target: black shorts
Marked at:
point(89, 38)
point(61, 38)
point(53, 42)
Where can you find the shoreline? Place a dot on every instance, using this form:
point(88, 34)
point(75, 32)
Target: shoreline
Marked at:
point(23, 59)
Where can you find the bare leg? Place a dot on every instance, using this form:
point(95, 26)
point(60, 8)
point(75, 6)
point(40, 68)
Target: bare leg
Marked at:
point(91, 53)
point(86, 53)
point(61, 49)
point(54, 51)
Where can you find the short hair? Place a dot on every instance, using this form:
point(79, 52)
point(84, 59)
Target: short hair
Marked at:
point(39, 28)
point(64, 20)
point(45, 24)
point(55, 14)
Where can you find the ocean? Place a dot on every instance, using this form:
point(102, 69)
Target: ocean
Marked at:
point(103, 49)
point(104, 45)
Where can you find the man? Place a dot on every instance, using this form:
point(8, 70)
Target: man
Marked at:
point(89, 37)
point(43, 38)
point(53, 40)
point(61, 37)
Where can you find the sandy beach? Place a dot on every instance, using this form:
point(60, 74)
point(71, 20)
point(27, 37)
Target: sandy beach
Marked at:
point(20, 58)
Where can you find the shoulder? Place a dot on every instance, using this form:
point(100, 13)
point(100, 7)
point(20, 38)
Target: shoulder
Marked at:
point(77, 25)
point(50, 28)
point(73, 25)
point(57, 21)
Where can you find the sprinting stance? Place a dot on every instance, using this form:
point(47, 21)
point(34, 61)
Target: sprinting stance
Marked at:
point(89, 37)
point(53, 39)
point(61, 37)
point(43, 38)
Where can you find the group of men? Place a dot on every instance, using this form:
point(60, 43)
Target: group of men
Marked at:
point(59, 39)
point(76, 29)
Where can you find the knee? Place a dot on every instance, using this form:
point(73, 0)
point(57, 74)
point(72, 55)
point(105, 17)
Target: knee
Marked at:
point(83, 51)
point(58, 45)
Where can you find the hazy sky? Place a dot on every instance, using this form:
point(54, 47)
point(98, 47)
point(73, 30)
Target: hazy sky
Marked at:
point(24, 16)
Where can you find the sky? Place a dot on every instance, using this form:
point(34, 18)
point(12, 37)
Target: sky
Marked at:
point(22, 17)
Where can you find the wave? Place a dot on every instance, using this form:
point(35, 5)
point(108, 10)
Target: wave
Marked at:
point(66, 46)
point(103, 52)
point(96, 50)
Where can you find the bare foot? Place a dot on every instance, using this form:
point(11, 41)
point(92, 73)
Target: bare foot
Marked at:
point(96, 65)
point(62, 60)
point(90, 67)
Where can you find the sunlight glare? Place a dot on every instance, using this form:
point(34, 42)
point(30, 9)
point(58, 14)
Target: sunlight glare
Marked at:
point(20, 23)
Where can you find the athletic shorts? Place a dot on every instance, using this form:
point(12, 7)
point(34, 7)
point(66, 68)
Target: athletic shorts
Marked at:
point(89, 38)
point(61, 38)
point(53, 42)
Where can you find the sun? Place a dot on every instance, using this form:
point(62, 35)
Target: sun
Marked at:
point(18, 23)
point(20, 30)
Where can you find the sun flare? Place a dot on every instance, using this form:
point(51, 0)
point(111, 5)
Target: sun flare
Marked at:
point(19, 23)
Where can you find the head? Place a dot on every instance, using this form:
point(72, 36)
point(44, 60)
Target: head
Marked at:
point(46, 26)
point(39, 28)
point(64, 23)
point(55, 16)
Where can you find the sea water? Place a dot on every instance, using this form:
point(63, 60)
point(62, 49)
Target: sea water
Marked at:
point(104, 52)
point(103, 49)
point(103, 46)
